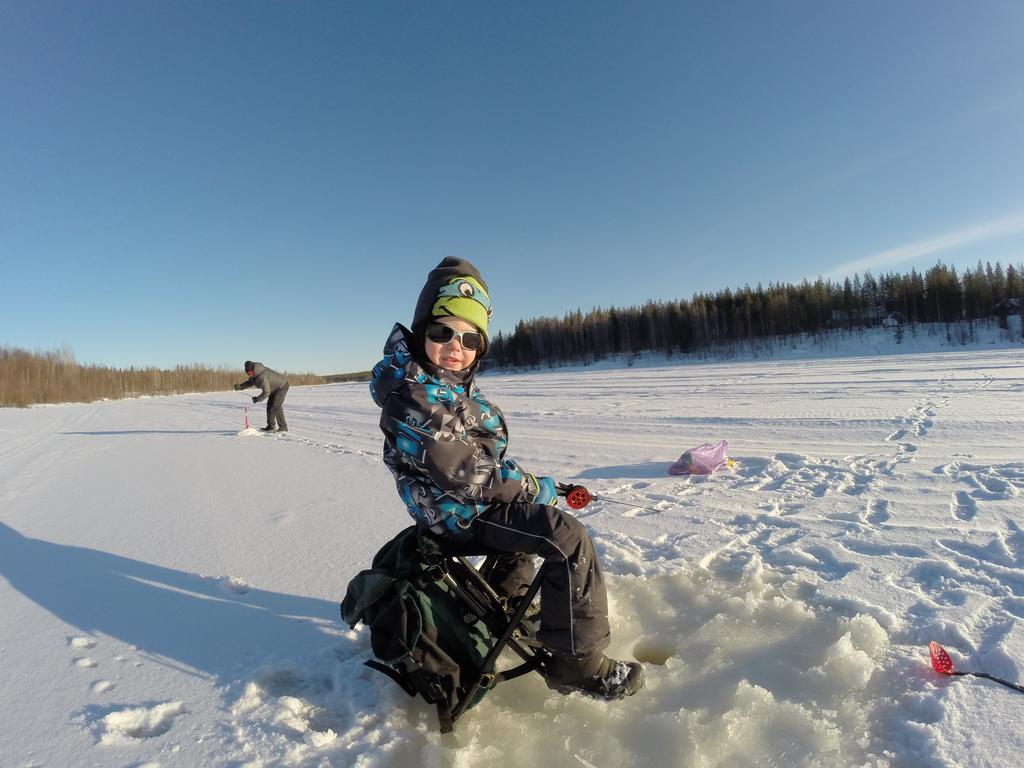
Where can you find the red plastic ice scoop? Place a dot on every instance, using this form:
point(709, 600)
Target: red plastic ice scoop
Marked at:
point(941, 662)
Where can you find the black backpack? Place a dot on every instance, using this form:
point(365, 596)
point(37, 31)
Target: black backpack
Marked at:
point(436, 626)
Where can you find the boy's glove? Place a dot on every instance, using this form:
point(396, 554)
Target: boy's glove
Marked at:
point(543, 488)
point(255, 398)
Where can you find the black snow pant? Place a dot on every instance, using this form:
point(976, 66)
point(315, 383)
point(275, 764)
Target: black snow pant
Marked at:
point(275, 408)
point(573, 604)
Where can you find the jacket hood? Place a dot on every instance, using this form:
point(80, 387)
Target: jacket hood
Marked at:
point(399, 365)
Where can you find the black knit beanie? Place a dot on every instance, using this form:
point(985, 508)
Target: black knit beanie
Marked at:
point(454, 288)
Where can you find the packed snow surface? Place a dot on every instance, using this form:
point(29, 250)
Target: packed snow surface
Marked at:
point(171, 583)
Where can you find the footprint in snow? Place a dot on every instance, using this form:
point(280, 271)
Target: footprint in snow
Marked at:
point(878, 511)
point(287, 681)
point(828, 566)
point(963, 506)
point(995, 487)
point(638, 512)
point(125, 725)
point(1014, 540)
point(1014, 606)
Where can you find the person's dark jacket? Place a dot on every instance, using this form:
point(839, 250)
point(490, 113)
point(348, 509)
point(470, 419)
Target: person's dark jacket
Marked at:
point(445, 442)
point(266, 379)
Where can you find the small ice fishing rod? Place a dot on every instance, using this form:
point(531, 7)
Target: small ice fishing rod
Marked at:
point(577, 497)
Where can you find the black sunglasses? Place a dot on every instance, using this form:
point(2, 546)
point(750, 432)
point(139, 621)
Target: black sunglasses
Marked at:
point(442, 334)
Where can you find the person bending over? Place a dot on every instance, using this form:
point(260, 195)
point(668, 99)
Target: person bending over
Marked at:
point(275, 388)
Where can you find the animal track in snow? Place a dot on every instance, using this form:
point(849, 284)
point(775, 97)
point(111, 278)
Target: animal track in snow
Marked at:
point(82, 643)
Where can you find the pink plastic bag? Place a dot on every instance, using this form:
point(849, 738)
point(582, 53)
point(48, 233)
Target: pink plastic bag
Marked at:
point(702, 460)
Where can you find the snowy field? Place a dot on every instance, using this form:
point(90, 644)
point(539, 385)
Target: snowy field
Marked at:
point(170, 587)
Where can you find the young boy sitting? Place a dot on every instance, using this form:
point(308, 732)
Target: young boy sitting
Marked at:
point(445, 444)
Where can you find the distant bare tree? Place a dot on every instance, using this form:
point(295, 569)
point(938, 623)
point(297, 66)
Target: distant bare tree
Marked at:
point(27, 378)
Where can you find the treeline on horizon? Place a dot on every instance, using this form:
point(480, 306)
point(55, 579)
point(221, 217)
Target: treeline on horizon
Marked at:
point(28, 378)
point(755, 318)
point(748, 318)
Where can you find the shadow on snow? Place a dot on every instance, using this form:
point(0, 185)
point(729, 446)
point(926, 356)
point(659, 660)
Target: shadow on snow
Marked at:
point(226, 433)
point(207, 624)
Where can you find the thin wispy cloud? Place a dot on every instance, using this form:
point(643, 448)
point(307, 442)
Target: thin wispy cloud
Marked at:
point(1004, 226)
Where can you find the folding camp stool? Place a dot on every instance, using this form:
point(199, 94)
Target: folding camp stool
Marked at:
point(467, 583)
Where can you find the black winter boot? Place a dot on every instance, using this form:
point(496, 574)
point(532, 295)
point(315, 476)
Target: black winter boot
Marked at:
point(595, 675)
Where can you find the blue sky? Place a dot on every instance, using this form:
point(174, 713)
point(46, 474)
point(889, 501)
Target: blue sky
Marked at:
point(212, 182)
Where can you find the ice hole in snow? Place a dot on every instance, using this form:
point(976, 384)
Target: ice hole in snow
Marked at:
point(653, 650)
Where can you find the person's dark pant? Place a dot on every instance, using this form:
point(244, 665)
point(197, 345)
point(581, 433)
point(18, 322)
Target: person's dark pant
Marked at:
point(574, 604)
point(275, 408)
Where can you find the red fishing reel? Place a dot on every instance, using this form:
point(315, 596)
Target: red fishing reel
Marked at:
point(576, 496)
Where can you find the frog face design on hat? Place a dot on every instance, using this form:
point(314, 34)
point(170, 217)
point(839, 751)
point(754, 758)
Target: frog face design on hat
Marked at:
point(464, 297)
point(454, 288)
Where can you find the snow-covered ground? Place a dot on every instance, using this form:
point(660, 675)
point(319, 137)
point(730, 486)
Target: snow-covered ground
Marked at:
point(170, 587)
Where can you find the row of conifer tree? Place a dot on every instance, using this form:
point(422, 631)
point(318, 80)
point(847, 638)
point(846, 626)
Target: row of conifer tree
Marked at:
point(756, 316)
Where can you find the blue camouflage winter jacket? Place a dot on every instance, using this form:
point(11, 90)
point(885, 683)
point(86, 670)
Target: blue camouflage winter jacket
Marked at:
point(445, 443)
